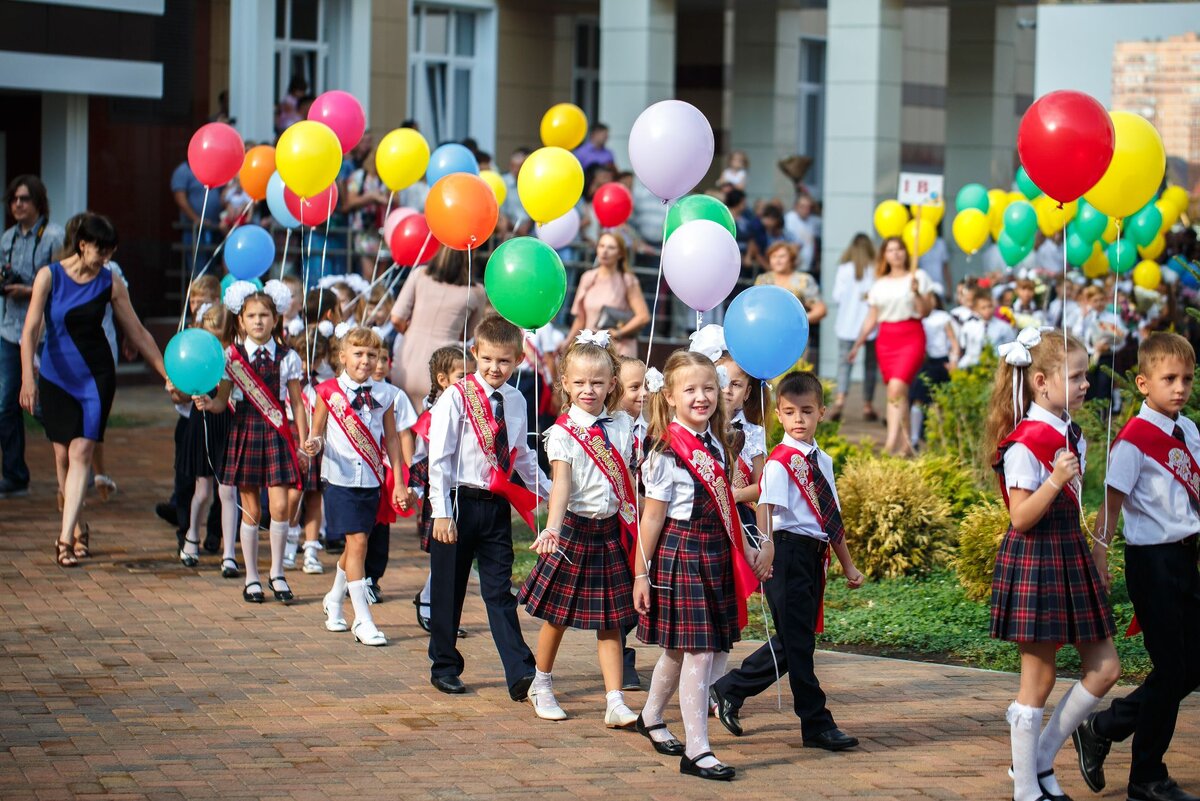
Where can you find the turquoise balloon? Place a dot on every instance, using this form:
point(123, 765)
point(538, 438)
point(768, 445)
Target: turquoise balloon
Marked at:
point(526, 281)
point(1028, 188)
point(698, 207)
point(972, 196)
point(1122, 256)
point(228, 280)
point(195, 361)
point(1145, 225)
point(1078, 248)
point(1089, 221)
point(1020, 222)
point(1011, 250)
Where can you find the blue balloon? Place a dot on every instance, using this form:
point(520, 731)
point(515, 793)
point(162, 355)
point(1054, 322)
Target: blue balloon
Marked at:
point(249, 252)
point(195, 361)
point(1178, 265)
point(276, 204)
point(450, 158)
point(766, 331)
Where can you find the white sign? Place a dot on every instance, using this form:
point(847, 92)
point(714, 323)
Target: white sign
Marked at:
point(919, 189)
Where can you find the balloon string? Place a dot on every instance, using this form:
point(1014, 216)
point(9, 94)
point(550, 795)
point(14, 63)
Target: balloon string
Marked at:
point(321, 295)
point(462, 428)
point(220, 246)
point(657, 290)
point(287, 238)
point(1113, 367)
point(379, 250)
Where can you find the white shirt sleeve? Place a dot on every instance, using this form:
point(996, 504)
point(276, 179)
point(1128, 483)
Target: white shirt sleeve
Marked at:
point(1124, 467)
point(658, 477)
point(406, 416)
point(1022, 469)
point(525, 460)
point(443, 443)
point(291, 368)
point(775, 484)
point(558, 445)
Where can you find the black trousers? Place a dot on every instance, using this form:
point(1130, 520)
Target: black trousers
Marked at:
point(794, 596)
point(484, 535)
point(378, 543)
point(1164, 585)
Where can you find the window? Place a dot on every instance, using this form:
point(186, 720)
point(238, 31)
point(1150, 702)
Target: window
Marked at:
point(810, 109)
point(301, 46)
point(443, 68)
point(585, 78)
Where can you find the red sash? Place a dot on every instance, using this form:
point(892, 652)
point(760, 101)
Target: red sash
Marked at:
point(1174, 456)
point(613, 467)
point(263, 400)
point(799, 470)
point(421, 427)
point(1045, 442)
point(742, 473)
point(709, 472)
point(478, 410)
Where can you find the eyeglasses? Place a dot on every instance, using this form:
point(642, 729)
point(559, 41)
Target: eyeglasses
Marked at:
point(22, 199)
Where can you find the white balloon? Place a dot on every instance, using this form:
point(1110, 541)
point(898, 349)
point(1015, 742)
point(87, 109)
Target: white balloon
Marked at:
point(701, 263)
point(561, 232)
point(671, 148)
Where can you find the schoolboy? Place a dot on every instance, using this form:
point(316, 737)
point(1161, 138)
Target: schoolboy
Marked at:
point(799, 505)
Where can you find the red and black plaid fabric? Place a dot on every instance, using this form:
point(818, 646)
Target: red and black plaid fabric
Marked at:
point(587, 584)
point(832, 527)
point(503, 450)
point(418, 478)
point(257, 455)
point(1045, 587)
point(693, 605)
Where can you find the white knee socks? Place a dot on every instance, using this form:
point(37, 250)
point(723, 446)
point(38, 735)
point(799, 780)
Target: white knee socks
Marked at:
point(663, 683)
point(1071, 711)
point(358, 599)
point(693, 704)
point(229, 519)
point(1025, 723)
point(333, 601)
point(279, 530)
point(249, 536)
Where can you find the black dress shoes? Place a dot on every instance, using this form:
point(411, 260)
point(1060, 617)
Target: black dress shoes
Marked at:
point(727, 713)
point(718, 772)
point(1165, 790)
point(831, 740)
point(670, 747)
point(520, 690)
point(451, 685)
point(422, 619)
point(1091, 749)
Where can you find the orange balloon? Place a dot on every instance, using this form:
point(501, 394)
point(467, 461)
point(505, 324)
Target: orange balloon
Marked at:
point(257, 169)
point(461, 211)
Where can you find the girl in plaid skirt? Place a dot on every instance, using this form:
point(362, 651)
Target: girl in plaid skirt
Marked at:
point(582, 577)
point(685, 587)
point(1047, 589)
point(259, 454)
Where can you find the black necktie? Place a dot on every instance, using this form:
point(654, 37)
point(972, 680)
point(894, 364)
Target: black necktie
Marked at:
point(363, 399)
point(738, 424)
point(707, 439)
point(261, 359)
point(503, 455)
point(832, 516)
point(1074, 433)
point(1177, 433)
point(598, 428)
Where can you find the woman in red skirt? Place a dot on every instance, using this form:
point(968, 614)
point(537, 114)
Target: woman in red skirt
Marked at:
point(899, 299)
point(1047, 589)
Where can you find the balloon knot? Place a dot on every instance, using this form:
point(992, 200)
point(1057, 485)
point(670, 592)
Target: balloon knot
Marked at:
point(1060, 206)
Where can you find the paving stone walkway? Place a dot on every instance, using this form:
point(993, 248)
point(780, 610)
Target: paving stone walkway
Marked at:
point(134, 678)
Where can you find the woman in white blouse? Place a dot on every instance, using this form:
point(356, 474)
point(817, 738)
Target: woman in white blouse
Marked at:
point(899, 300)
point(855, 276)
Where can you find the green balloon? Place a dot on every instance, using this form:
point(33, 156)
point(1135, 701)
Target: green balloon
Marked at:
point(1079, 249)
point(1144, 225)
point(1020, 222)
point(972, 196)
point(698, 207)
point(1011, 250)
point(1089, 222)
point(526, 282)
point(1028, 188)
point(1122, 255)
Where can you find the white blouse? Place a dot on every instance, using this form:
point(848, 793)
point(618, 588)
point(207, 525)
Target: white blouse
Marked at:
point(290, 369)
point(893, 297)
point(592, 495)
point(850, 295)
point(342, 465)
point(756, 439)
point(666, 479)
point(1022, 470)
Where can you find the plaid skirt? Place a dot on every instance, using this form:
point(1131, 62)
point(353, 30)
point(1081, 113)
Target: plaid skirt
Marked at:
point(693, 605)
point(257, 455)
point(418, 478)
point(1045, 587)
point(201, 449)
point(310, 466)
point(587, 583)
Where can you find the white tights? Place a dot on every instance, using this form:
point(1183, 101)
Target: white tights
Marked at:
point(687, 671)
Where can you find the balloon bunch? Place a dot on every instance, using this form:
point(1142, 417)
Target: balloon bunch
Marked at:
point(916, 225)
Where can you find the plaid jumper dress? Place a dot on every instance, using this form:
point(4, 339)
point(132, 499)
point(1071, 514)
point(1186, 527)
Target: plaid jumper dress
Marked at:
point(256, 454)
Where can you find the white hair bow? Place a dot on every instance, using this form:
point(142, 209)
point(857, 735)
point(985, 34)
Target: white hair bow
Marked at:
point(278, 291)
point(709, 340)
point(1017, 354)
point(236, 294)
point(343, 328)
point(722, 376)
point(325, 328)
point(203, 310)
point(589, 337)
point(295, 327)
point(654, 380)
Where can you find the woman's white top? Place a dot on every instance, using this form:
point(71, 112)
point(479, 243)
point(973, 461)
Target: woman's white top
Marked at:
point(850, 295)
point(893, 297)
point(937, 340)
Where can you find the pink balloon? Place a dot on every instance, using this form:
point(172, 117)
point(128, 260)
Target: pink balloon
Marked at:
point(393, 219)
point(701, 263)
point(215, 154)
point(343, 113)
point(671, 148)
point(561, 232)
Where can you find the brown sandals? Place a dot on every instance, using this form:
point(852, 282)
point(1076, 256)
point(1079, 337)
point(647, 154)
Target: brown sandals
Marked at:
point(81, 541)
point(65, 556)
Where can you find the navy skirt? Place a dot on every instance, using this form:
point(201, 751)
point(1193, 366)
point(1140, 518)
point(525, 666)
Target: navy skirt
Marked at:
point(349, 510)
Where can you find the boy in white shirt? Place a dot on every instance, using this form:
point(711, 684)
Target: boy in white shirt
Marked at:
point(982, 329)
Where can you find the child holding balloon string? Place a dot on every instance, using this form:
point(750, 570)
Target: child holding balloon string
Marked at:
point(631, 375)
point(261, 374)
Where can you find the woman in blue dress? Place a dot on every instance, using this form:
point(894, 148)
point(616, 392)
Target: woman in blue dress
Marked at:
point(78, 373)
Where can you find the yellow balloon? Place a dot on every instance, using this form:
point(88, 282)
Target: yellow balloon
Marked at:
point(1169, 213)
point(1178, 197)
point(927, 234)
point(1110, 231)
point(496, 182)
point(308, 157)
point(1136, 170)
point(970, 230)
point(401, 158)
point(564, 125)
point(1050, 218)
point(932, 212)
point(550, 183)
point(1097, 264)
point(997, 203)
point(1154, 249)
point(1014, 196)
point(1147, 274)
point(890, 218)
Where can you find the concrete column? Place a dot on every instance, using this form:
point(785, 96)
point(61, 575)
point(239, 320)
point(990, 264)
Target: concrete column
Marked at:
point(766, 52)
point(981, 122)
point(637, 64)
point(862, 131)
point(252, 68)
point(65, 153)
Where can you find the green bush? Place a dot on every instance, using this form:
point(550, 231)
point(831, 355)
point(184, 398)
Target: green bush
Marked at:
point(979, 536)
point(953, 481)
point(897, 523)
point(958, 415)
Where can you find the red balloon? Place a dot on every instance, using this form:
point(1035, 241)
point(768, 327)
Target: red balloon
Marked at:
point(613, 204)
point(312, 210)
point(411, 243)
point(215, 154)
point(1066, 142)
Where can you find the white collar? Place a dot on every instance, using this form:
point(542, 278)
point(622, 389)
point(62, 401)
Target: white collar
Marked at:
point(351, 385)
point(805, 448)
point(1158, 418)
point(585, 418)
point(252, 348)
point(740, 417)
point(1044, 415)
point(488, 389)
point(695, 433)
